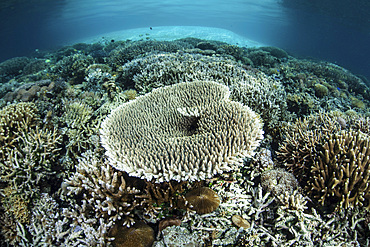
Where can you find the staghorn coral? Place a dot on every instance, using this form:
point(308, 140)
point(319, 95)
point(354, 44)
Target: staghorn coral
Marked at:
point(329, 162)
point(48, 227)
point(293, 200)
point(164, 134)
point(103, 190)
point(13, 232)
point(299, 148)
point(161, 200)
point(85, 227)
point(76, 114)
point(16, 204)
point(81, 125)
point(341, 173)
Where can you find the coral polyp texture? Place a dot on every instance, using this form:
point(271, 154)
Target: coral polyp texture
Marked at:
point(187, 131)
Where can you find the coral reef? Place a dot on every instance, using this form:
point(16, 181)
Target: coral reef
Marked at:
point(73, 67)
point(163, 134)
point(261, 93)
point(129, 51)
point(199, 136)
point(12, 67)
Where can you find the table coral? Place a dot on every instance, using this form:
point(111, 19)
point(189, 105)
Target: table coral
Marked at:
point(188, 131)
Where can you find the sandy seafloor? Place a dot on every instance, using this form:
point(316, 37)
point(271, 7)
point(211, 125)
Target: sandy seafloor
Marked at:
point(305, 182)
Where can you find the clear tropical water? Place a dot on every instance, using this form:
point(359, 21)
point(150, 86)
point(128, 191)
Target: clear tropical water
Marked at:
point(165, 123)
point(338, 32)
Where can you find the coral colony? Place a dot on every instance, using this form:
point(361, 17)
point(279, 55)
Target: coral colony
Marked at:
point(167, 143)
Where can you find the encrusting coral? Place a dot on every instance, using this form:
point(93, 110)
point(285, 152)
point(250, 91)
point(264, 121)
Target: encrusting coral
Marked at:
point(187, 131)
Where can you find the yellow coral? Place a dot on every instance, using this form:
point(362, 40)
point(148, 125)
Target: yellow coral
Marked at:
point(16, 205)
point(355, 102)
point(130, 94)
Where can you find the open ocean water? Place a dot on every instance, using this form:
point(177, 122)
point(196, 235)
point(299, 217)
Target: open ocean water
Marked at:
point(184, 123)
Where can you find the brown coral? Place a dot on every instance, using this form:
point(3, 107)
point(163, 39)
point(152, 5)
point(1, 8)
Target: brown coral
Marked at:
point(203, 200)
point(330, 163)
point(163, 199)
point(299, 148)
point(138, 235)
point(341, 173)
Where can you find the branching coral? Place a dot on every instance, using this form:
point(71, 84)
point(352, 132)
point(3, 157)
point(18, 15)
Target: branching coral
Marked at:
point(103, 189)
point(331, 163)
point(160, 200)
point(15, 204)
point(34, 160)
point(188, 131)
point(299, 148)
point(14, 120)
point(81, 129)
point(76, 114)
point(263, 94)
point(341, 173)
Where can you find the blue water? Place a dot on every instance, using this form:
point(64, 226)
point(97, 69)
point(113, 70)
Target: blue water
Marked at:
point(301, 29)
